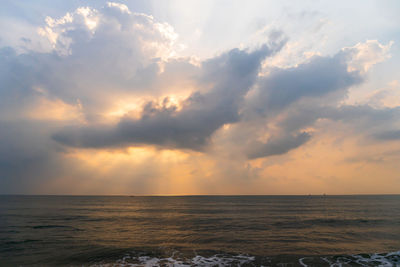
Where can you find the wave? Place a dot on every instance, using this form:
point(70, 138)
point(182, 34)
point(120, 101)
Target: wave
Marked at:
point(215, 260)
point(375, 259)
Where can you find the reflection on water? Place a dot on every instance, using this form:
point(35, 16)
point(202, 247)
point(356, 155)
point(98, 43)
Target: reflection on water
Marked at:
point(78, 230)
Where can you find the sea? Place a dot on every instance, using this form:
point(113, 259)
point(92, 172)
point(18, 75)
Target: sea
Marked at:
point(323, 230)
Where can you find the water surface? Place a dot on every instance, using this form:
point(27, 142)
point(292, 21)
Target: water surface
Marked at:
point(80, 230)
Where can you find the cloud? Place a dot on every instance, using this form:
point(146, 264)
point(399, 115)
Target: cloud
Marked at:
point(95, 56)
point(231, 75)
point(277, 145)
point(317, 78)
point(27, 156)
point(364, 118)
point(364, 55)
point(86, 27)
point(287, 102)
point(100, 54)
point(279, 106)
point(388, 135)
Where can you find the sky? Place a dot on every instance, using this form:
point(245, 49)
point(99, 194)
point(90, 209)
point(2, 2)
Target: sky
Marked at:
point(199, 97)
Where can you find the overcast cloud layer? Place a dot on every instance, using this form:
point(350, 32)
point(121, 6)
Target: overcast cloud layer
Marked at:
point(107, 100)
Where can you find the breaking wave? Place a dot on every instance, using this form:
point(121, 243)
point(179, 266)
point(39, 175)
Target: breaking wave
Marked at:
point(375, 259)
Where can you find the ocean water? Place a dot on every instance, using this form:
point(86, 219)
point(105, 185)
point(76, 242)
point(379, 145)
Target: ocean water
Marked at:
point(200, 231)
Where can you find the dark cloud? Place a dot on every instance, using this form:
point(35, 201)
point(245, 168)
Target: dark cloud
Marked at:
point(299, 96)
point(277, 145)
point(372, 123)
point(364, 114)
point(288, 100)
point(388, 135)
point(231, 75)
point(28, 157)
point(362, 119)
point(317, 78)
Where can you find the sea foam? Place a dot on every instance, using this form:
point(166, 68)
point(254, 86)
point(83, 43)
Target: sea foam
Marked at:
point(215, 260)
point(382, 259)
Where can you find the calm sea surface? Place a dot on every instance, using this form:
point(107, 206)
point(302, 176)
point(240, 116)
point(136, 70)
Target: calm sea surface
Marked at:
point(200, 230)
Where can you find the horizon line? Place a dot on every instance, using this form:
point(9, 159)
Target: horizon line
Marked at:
point(199, 195)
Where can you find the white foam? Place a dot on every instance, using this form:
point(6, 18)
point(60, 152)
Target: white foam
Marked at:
point(385, 260)
point(216, 260)
point(302, 263)
point(222, 260)
point(391, 259)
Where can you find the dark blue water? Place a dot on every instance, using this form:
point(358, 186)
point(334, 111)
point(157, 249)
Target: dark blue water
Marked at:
point(199, 230)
